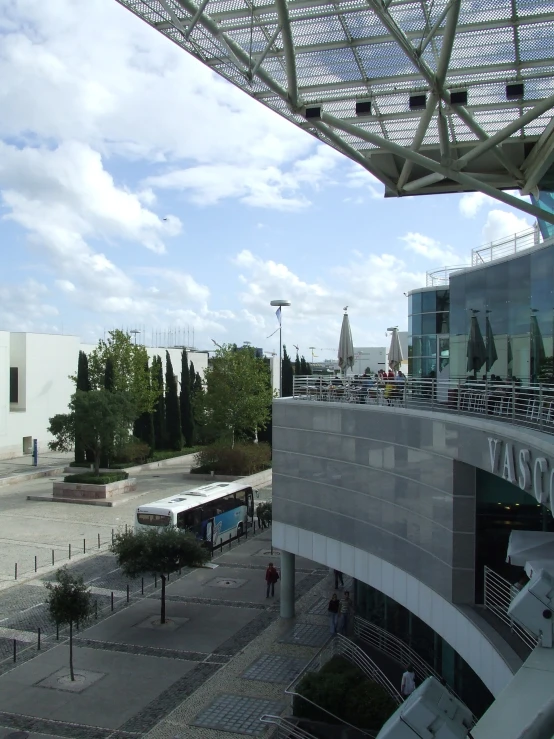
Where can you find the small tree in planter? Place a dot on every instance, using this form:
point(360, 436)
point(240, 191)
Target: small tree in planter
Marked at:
point(69, 602)
point(157, 552)
point(100, 420)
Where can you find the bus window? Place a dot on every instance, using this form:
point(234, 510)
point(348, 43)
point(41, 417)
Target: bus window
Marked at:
point(153, 519)
point(192, 520)
point(181, 524)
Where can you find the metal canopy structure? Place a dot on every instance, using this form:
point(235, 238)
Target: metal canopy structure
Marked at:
point(430, 96)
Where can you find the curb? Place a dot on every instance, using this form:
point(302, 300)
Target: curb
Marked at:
point(25, 476)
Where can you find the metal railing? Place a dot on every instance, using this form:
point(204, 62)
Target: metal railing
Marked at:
point(286, 729)
point(506, 246)
point(339, 645)
point(499, 593)
point(438, 277)
point(398, 650)
point(522, 405)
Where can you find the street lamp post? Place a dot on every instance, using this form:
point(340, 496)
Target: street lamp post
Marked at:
point(280, 304)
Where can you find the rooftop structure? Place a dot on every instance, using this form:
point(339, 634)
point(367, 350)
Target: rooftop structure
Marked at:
point(429, 97)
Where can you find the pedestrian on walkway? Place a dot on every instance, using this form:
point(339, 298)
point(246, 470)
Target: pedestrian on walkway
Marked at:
point(271, 577)
point(333, 611)
point(338, 578)
point(260, 515)
point(345, 609)
point(408, 685)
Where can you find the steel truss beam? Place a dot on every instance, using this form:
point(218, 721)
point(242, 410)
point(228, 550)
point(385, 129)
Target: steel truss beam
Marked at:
point(467, 181)
point(290, 59)
point(539, 160)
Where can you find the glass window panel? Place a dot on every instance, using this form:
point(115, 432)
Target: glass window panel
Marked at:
point(429, 367)
point(429, 346)
point(542, 284)
point(429, 301)
point(476, 290)
point(416, 346)
point(414, 367)
point(416, 324)
point(442, 323)
point(458, 314)
point(497, 298)
point(429, 323)
point(519, 285)
point(415, 303)
point(443, 300)
point(410, 329)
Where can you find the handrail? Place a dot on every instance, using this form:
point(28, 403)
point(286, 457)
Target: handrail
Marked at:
point(529, 405)
point(499, 593)
point(396, 648)
point(286, 729)
point(341, 645)
point(506, 246)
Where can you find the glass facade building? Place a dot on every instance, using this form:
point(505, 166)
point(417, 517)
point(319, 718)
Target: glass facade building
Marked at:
point(428, 332)
point(513, 302)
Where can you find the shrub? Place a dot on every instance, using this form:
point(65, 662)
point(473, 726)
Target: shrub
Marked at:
point(134, 451)
point(342, 689)
point(241, 459)
point(88, 478)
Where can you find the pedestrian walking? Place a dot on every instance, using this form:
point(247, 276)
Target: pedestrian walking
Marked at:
point(271, 577)
point(408, 685)
point(333, 611)
point(345, 609)
point(260, 515)
point(338, 578)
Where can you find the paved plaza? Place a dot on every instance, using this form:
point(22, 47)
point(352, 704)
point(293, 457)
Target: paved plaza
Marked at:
point(223, 660)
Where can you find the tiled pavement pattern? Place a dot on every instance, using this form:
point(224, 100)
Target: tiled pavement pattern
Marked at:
point(237, 714)
point(306, 635)
point(208, 674)
point(320, 607)
point(271, 668)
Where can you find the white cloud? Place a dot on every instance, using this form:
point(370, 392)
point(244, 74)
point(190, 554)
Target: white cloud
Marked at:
point(25, 307)
point(430, 248)
point(471, 203)
point(357, 178)
point(501, 223)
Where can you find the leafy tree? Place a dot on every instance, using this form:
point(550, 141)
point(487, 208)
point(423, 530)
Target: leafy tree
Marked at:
point(160, 433)
point(185, 401)
point(69, 602)
point(83, 383)
point(128, 369)
point(298, 365)
point(157, 552)
point(238, 391)
point(304, 367)
point(144, 425)
point(172, 412)
point(286, 375)
point(98, 420)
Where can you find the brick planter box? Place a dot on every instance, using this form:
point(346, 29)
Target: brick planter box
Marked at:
point(76, 490)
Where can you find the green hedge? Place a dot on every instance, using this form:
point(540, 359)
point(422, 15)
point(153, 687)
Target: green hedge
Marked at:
point(342, 689)
point(241, 459)
point(89, 478)
point(157, 456)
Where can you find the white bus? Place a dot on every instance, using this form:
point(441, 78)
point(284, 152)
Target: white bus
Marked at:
point(210, 512)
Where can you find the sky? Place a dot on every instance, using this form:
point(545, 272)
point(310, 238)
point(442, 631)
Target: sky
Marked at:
point(139, 190)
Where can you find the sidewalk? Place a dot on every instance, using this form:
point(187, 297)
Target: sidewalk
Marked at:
point(222, 661)
point(20, 469)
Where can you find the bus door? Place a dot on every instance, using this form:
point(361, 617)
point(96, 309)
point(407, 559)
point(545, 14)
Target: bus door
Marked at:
point(250, 503)
point(210, 532)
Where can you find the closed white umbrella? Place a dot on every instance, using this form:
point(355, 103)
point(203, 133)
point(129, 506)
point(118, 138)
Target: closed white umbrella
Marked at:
point(395, 350)
point(346, 346)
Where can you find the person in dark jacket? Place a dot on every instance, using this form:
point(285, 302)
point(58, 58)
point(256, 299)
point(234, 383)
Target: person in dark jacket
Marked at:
point(271, 577)
point(333, 611)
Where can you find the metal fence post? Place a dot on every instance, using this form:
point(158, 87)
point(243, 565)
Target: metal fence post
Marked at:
point(70, 551)
point(57, 631)
point(96, 609)
point(540, 406)
point(485, 587)
point(142, 586)
point(35, 562)
point(38, 646)
point(84, 546)
point(127, 592)
point(111, 599)
point(513, 401)
point(16, 570)
point(155, 581)
point(112, 536)
point(98, 541)
point(229, 540)
point(52, 557)
point(14, 650)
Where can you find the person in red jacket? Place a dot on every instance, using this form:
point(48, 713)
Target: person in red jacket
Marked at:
point(271, 577)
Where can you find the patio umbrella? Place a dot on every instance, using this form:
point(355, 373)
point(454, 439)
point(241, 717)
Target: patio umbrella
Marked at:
point(476, 349)
point(346, 346)
point(538, 354)
point(395, 351)
point(492, 354)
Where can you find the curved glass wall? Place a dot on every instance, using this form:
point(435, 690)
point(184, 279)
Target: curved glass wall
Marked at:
point(428, 333)
point(513, 301)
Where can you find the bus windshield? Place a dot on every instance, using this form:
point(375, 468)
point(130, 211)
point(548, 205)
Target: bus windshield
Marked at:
point(153, 519)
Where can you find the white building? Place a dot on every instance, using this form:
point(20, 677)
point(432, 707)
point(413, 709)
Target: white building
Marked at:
point(374, 357)
point(35, 384)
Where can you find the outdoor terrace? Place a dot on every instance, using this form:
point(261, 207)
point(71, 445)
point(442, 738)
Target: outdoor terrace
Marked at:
point(530, 405)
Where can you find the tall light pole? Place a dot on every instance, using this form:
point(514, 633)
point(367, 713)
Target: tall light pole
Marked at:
point(135, 332)
point(280, 304)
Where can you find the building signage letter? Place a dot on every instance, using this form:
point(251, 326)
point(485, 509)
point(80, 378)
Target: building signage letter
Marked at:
point(524, 478)
point(494, 451)
point(541, 465)
point(508, 470)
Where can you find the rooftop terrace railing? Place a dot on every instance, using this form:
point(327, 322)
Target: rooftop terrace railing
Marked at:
point(529, 405)
point(505, 247)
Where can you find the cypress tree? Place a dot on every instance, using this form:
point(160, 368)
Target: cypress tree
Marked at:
point(172, 413)
point(109, 375)
point(286, 375)
point(303, 367)
point(192, 376)
point(159, 408)
point(83, 383)
point(298, 366)
point(144, 425)
point(185, 402)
